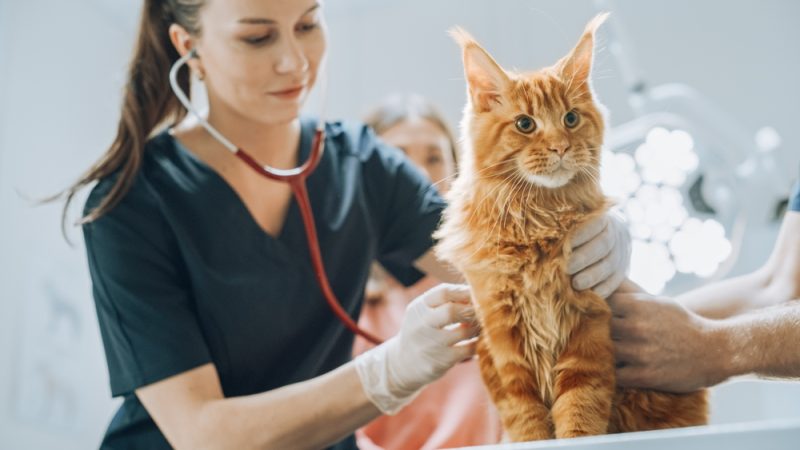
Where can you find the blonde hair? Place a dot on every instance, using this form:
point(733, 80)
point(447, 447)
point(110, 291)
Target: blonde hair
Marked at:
point(401, 107)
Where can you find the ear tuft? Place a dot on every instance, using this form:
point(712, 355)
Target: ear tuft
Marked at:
point(576, 67)
point(486, 80)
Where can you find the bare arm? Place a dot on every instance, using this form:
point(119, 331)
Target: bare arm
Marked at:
point(191, 411)
point(659, 344)
point(777, 281)
point(764, 342)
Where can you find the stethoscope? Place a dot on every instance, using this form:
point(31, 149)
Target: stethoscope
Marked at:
point(296, 178)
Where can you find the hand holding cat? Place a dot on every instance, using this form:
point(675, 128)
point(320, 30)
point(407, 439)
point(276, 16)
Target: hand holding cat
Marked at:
point(601, 253)
point(661, 345)
point(430, 341)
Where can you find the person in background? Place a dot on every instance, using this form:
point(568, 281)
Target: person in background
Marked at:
point(454, 411)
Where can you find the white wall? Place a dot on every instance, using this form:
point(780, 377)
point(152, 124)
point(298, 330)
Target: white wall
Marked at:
point(62, 67)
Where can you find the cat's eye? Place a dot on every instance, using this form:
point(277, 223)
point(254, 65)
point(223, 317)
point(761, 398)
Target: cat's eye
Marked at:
point(571, 119)
point(525, 124)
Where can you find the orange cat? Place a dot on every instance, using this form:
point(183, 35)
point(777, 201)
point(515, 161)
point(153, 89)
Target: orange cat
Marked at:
point(528, 178)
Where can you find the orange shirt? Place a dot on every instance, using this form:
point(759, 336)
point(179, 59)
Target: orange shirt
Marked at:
point(454, 411)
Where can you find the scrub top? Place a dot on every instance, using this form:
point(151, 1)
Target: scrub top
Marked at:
point(794, 200)
point(182, 274)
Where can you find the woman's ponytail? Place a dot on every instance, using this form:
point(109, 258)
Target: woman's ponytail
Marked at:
point(148, 102)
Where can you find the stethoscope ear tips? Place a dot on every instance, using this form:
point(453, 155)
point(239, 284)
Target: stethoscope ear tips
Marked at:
point(193, 54)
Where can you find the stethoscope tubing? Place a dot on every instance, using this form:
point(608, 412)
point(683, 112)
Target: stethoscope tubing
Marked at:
point(296, 178)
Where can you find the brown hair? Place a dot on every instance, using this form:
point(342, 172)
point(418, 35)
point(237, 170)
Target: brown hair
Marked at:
point(399, 107)
point(148, 102)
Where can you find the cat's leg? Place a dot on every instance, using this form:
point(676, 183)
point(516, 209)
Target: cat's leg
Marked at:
point(489, 373)
point(584, 380)
point(640, 410)
point(524, 415)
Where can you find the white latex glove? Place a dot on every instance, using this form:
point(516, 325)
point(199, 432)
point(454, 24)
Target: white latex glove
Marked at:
point(424, 349)
point(601, 254)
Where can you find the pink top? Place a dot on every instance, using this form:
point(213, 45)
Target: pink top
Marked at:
point(454, 411)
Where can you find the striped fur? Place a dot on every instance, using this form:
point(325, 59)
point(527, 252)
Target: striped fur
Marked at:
point(545, 350)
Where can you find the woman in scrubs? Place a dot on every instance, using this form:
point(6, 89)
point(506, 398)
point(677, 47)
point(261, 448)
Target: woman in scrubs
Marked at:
point(215, 331)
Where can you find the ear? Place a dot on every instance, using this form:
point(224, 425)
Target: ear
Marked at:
point(184, 43)
point(486, 80)
point(576, 67)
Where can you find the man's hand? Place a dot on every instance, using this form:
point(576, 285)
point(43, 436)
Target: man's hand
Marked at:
point(661, 345)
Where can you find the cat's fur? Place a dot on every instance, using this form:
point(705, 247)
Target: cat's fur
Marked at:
point(545, 351)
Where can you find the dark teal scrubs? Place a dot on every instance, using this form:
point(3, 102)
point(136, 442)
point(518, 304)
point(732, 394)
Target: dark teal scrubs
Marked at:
point(183, 276)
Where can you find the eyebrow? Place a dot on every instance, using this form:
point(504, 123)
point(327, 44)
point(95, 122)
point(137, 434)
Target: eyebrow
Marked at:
point(259, 20)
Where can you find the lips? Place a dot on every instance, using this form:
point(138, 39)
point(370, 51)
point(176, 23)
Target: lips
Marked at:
point(289, 93)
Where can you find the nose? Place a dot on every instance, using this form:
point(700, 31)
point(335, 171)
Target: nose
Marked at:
point(559, 146)
point(292, 58)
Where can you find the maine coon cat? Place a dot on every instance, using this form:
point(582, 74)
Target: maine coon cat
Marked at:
point(528, 178)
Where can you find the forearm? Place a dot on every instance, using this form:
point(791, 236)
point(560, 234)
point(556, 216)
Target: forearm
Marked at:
point(776, 282)
point(764, 342)
point(729, 297)
point(311, 414)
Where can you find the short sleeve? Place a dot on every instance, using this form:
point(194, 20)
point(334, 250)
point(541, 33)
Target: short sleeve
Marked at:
point(144, 306)
point(794, 199)
point(409, 208)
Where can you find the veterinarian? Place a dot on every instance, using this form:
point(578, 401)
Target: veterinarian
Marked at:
point(215, 328)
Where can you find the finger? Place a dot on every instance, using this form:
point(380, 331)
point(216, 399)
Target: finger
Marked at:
point(466, 351)
point(626, 354)
point(621, 304)
point(445, 293)
point(450, 313)
point(632, 376)
point(459, 334)
point(593, 275)
point(607, 287)
point(619, 330)
point(598, 248)
point(589, 230)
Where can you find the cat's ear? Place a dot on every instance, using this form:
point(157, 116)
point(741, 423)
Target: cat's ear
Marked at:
point(576, 67)
point(486, 80)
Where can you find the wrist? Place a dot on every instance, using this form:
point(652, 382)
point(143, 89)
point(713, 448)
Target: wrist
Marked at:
point(380, 381)
point(723, 356)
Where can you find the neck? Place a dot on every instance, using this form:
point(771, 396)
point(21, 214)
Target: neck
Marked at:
point(582, 196)
point(272, 144)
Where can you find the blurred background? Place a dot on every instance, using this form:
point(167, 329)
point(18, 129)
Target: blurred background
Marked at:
point(702, 151)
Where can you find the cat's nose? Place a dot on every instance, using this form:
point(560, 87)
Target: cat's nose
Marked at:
point(559, 148)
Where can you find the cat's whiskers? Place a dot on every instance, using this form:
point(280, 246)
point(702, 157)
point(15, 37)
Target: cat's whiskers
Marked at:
point(455, 175)
point(519, 184)
point(479, 211)
point(505, 191)
point(481, 202)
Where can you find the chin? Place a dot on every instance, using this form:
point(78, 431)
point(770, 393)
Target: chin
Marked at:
point(553, 180)
point(281, 118)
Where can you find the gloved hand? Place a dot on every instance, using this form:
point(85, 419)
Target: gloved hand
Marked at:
point(601, 254)
point(424, 349)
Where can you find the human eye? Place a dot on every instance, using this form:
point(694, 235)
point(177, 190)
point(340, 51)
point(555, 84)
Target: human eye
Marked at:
point(307, 27)
point(260, 39)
